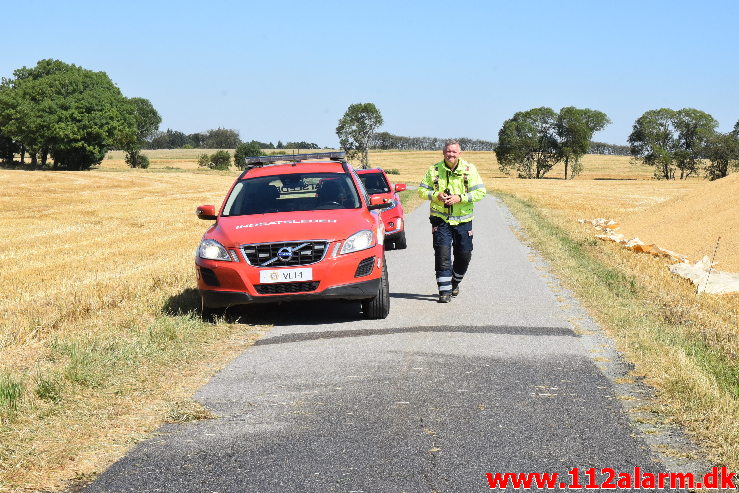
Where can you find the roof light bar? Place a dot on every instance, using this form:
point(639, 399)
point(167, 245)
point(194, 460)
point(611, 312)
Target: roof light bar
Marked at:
point(253, 161)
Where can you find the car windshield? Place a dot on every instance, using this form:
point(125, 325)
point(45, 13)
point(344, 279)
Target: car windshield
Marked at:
point(374, 183)
point(292, 192)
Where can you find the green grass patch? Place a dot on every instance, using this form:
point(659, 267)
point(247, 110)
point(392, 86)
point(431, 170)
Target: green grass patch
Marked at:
point(11, 392)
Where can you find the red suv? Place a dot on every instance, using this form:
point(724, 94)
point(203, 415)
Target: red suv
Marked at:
point(300, 229)
point(377, 185)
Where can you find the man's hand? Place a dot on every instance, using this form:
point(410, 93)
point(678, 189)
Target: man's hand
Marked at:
point(449, 199)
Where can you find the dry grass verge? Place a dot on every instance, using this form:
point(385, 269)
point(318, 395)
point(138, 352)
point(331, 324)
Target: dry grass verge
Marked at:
point(100, 339)
point(683, 345)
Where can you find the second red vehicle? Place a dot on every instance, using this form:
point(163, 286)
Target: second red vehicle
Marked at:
point(377, 184)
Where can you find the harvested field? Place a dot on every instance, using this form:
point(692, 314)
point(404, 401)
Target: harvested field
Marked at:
point(99, 307)
point(98, 316)
point(691, 223)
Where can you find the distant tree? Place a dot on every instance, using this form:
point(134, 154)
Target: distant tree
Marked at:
point(219, 160)
point(246, 149)
point(222, 138)
point(356, 128)
point(301, 145)
point(147, 122)
point(609, 149)
point(73, 114)
point(695, 129)
point(279, 145)
point(654, 140)
point(197, 140)
point(722, 152)
point(169, 139)
point(575, 128)
point(204, 160)
point(670, 140)
point(135, 159)
point(528, 143)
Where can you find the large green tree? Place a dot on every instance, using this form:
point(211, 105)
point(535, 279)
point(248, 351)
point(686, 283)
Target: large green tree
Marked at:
point(71, 113)
point(671, 140)
point(575, 129)
point(695, 129)
point(654, 140)
point(528, 143)
point(356, 128)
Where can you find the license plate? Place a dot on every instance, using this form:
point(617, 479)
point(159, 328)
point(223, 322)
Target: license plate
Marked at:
point(285, 275)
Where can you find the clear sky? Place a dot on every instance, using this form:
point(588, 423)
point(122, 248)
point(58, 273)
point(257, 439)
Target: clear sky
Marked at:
point(287, 70)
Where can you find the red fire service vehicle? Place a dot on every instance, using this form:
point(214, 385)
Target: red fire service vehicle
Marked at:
point(377, 185)
point(294, 227)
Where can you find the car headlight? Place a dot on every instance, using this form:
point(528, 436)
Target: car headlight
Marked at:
point(212, 250)
point(359, 241)
point(393, 205)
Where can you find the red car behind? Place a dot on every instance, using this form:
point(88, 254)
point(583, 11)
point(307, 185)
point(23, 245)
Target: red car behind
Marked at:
point(377, 184)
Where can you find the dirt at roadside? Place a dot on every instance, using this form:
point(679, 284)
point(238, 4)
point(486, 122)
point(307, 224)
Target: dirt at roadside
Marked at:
point(692, 223)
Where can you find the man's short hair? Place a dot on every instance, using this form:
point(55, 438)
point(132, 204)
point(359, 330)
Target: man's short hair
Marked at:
point(452, 142)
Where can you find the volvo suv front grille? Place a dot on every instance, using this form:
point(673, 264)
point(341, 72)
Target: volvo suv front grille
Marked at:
point(286, 287)
point(285, 254)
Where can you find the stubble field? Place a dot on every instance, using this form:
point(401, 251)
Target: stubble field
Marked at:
point(99, 311)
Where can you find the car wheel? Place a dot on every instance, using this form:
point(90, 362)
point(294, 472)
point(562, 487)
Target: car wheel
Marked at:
point(379, 306)
point(400, 243)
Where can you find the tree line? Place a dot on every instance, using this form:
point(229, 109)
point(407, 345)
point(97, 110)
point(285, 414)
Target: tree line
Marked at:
point(73, 116)
point(218, 138)
point(684, 140)
point(386, 140)
point(69, 117)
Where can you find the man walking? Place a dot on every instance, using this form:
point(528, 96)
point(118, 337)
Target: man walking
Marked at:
point(453, 186)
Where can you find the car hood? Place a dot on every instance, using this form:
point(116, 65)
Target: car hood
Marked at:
point(311, 225)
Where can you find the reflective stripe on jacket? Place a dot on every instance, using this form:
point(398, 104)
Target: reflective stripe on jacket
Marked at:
point(439, 178)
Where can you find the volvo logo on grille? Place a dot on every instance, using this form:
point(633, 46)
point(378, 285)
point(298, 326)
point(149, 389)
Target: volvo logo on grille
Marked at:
point(285, 253)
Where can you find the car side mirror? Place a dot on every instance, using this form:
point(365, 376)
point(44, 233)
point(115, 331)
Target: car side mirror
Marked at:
point(206, 212)
point(400, 187)
point(378, 203)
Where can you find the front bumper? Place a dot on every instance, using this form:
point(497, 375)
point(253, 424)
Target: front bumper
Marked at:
point(353, 276)
point(357, 291)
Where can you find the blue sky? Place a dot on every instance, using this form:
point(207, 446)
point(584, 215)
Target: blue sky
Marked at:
point(288, 70)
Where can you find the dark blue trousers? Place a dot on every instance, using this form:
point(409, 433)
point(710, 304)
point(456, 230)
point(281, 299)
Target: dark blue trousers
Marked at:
point(450, 239)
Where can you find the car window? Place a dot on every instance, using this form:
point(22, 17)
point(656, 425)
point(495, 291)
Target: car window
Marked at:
point(292, 192)
point(375, 183)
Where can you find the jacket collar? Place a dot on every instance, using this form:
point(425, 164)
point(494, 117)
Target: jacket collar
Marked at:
point(461, 164)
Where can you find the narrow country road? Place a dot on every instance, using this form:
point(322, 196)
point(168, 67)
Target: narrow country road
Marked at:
point(428, 400)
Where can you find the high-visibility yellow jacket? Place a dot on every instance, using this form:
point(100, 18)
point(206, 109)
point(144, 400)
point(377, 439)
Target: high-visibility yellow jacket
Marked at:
point(464, 181)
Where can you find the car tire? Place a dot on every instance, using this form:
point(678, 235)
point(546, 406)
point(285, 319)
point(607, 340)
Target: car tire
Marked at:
point(400, 243)
point(379, 306)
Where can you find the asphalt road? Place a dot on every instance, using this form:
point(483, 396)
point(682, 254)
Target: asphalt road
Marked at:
point(428, 400)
